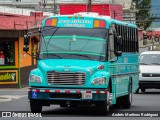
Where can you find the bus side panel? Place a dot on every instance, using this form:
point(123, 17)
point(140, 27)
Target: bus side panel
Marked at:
point(128, 68)
point(122, 71)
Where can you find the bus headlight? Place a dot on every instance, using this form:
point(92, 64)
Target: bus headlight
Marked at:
point(34, 78)
point(99, 81)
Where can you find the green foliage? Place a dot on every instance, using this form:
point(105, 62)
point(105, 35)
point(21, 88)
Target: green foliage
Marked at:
point(144, 17)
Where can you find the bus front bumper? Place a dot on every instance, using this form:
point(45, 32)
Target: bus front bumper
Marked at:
point(56, 96)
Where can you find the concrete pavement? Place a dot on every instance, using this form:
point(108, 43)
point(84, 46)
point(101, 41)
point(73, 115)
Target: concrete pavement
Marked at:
point(5, 98)
point(14, 89)
point(6, 93)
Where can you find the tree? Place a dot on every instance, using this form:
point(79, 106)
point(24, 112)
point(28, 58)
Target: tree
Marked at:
point(144, 17)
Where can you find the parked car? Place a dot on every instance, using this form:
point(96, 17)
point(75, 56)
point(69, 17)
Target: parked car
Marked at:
point(149, 77)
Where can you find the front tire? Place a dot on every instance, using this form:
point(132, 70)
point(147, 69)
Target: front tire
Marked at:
point(101, 108)
point(63, 105)
point(104, 106)
point(35, 106)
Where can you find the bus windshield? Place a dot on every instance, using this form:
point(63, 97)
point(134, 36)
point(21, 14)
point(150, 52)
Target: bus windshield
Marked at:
point(73, 43)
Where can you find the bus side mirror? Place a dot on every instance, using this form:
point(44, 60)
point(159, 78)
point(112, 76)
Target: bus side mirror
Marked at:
point(119, 41)
point(26, 40)
point(119, 45)
point(26, 43)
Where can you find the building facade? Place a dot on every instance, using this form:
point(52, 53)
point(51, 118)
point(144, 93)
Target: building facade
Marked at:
point(128, 10)
point(15, 65)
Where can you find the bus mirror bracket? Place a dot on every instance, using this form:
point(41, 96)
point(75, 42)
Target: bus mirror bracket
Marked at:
point(25, 49)
point(118, 53)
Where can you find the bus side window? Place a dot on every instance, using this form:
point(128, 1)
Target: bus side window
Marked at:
point(111, 50)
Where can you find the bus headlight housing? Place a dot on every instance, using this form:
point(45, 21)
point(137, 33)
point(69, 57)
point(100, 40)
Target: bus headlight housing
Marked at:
point(36, 79)
point(99, 81)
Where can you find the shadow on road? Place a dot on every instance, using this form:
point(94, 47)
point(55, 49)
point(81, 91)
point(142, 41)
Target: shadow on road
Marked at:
point(81, 111)
point(74, 111)
point(149, 93)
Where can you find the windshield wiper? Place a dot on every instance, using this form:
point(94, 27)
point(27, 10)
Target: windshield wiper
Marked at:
point(46, 45)
point(53, 55)
point(86, 56)
point(50, 38)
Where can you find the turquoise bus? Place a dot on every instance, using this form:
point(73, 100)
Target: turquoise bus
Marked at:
point(84, 59)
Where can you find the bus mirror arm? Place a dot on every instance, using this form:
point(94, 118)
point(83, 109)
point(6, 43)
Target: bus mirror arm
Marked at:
point(117, 53)
point(34, 56)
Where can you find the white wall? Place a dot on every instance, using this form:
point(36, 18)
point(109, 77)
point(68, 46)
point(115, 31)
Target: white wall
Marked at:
point(21, 11)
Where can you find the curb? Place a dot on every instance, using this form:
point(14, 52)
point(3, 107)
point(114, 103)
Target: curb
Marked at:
point(14, 89)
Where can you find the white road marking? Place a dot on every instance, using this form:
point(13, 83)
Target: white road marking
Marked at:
point(4, 98)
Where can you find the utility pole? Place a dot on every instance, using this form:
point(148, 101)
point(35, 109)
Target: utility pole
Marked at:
point(89, 7)
point(55, 8)
point(44, 3)
point(115, 14)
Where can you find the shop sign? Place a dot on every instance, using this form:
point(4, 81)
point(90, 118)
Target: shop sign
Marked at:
point(7, 76)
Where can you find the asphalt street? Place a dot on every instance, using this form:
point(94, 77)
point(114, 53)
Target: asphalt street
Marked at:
point(15, 100)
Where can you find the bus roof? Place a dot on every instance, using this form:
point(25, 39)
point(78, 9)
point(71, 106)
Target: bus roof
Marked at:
point(97, 16)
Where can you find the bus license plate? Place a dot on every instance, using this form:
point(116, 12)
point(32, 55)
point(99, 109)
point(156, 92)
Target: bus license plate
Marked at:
point(86, 95)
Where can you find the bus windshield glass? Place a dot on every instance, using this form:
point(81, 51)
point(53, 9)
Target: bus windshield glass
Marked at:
point(73, 43)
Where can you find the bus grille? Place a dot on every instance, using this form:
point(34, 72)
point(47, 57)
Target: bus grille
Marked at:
point(66, 78)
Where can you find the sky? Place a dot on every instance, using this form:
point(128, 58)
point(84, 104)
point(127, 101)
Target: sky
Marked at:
point(156, 13)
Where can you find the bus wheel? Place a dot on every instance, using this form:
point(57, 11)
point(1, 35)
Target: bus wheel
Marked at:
point(35, 106)
point(143, 89)
point(63, 105)
point(101, 107)
point(104, 106)
point(73, 105)
point(127, 100)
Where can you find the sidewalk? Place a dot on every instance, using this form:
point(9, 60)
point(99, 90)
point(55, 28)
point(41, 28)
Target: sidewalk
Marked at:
point(9, 94)
point(14, 89)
